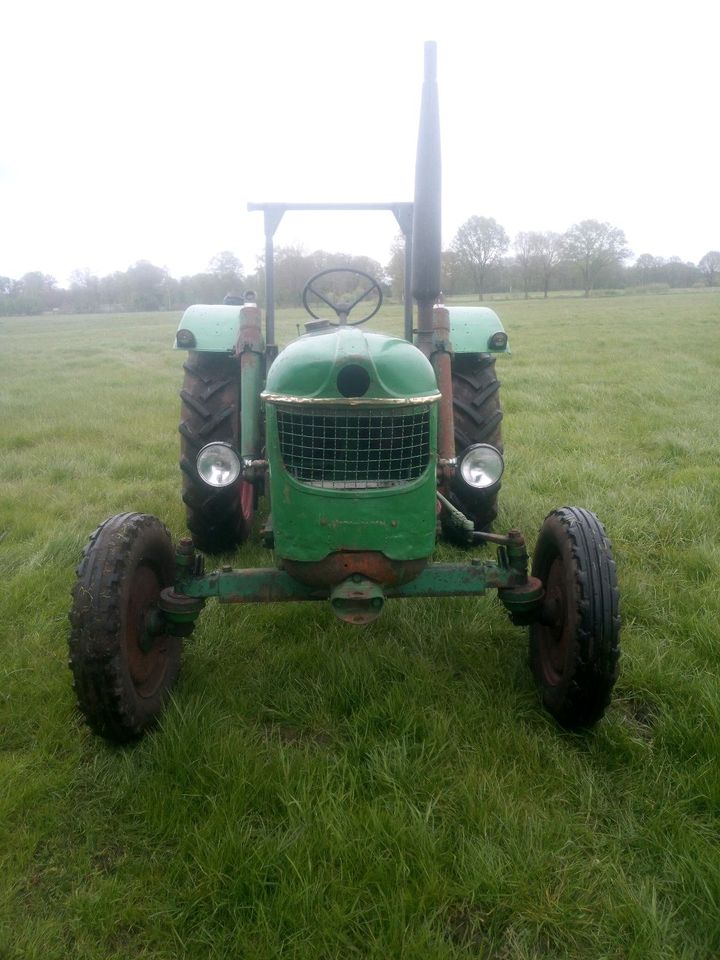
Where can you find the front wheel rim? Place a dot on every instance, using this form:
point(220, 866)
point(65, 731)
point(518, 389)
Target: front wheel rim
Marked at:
point(146, 652)
point(553, 633)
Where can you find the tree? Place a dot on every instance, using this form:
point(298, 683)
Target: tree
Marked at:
point(479, 243)
point(145, 285)
point(35, 292)
point(646, 268)
point(549, 251)
point(226, 264)
point(226, 270)
point(710, 266)
point(680, 274)
point(594, 247)
point(84, 291)
point(525, 258)
point(395, 269)
point(456, 275)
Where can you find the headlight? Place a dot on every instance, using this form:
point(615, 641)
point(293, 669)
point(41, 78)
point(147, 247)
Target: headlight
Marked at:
point(498, 341)
point(218, 464)
point(481, 465)
point(185, 339)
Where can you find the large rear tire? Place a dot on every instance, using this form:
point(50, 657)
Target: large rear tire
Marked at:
point(123, 664)
point(218, 519)
point(478, 419)
point(574, 648)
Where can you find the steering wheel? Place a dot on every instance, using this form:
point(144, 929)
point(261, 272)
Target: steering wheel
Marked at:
point(342, 309)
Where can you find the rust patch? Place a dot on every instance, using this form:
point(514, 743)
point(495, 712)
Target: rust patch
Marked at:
point(441, 361)
point(370, 564)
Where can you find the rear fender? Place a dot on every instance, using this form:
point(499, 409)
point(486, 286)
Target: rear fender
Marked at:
point(215, 327)
point(471, 329)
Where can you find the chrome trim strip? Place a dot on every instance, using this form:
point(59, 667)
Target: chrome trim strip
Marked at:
point(350, 401)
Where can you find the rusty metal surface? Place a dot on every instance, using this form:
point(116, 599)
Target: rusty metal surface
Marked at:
point(250, 347)
point(146, 660)
point(357, 600)
point(270, 585)
point(442, 364)
point(482, 536)
point(369, 564)
point(255, 585)
point(250, 332)
point(424, 331)
point(524, 601)
point(454, 579)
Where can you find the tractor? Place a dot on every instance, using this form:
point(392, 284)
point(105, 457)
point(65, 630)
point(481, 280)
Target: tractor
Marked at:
point(365, 449)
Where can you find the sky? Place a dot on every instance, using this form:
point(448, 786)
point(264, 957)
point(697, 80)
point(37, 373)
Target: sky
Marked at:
point(140, 130)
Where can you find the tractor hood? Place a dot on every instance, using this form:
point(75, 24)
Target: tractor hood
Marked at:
point(350, 366)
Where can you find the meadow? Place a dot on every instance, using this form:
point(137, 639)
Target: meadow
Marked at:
point(317, 790)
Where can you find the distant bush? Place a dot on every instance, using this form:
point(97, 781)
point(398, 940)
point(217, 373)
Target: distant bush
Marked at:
point(648, 288)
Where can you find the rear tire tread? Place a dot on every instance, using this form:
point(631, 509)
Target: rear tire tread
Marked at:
point(478, 419)
point(210, 410)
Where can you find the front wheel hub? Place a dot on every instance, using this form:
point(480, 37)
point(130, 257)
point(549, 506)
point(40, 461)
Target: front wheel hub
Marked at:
point(523, 601)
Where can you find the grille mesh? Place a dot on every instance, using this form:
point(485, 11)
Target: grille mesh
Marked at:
point(355, 448)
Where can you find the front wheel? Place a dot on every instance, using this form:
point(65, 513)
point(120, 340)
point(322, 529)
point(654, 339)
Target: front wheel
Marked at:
point(574, 646)
point(123, 663)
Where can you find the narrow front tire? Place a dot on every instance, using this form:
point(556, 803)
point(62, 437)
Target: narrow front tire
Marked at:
point(574, 646)
point(124, 664)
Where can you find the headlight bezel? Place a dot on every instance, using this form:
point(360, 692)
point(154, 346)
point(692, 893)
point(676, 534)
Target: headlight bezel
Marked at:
point(491, 470)
point(232, 465)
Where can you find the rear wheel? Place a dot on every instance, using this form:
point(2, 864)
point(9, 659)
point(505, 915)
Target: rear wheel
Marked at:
point(218, 519)
point(478, 419)
point(123, 663)
point(574, 647)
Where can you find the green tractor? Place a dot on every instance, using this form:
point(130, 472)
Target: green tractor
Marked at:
point(365, 448)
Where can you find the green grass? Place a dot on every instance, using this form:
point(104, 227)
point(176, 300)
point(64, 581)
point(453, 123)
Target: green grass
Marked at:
point(319, 791)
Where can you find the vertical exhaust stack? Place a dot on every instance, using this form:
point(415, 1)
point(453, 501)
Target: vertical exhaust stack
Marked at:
point(433, 323)
point(426, 245)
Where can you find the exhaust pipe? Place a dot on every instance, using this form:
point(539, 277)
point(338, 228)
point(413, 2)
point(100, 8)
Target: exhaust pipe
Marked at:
point(426, 245)
point(433, 322)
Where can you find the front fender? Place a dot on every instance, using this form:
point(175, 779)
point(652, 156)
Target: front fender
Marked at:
point(471, 329)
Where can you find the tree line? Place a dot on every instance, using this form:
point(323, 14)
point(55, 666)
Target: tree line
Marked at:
point(589, 255)
point(480, 260)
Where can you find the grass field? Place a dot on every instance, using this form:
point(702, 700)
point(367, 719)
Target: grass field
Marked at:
point(318, 791)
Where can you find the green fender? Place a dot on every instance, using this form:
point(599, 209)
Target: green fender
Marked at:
point(215, 327)
point(471, 329)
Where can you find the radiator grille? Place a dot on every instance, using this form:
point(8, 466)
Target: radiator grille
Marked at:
point(355, 448)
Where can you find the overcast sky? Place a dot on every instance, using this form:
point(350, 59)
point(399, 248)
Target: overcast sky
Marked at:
point(141, 130)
